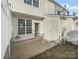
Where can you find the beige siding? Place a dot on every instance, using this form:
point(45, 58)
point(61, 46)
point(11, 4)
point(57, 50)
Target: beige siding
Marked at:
point(20, 6)
point(6, 28)
point(14, 25)
point(50, 8)
point(45, 7)
point(25, 36)
point(57, 8)
point(68, 24)
point(51, 28)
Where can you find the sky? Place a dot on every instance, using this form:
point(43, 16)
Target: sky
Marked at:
point(72, 5)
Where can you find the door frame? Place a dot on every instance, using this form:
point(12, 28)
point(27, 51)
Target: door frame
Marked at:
point(36, 28)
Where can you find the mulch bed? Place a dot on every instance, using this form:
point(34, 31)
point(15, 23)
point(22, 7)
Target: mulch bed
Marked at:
point(66, 51)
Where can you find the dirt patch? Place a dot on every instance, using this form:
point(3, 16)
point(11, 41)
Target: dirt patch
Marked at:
point(67, 51)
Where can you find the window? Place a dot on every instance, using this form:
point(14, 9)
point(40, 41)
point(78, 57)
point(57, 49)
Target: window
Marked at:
point(36, 3)
point(28, 26)
point(32, 2)
point(28, 2)
point(68, 13)
point(21, 26)
point(24, 26)
point(58, 13)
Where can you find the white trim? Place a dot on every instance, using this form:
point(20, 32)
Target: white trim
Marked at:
point(32, 2)
point(36, 6)
point(25, 26)
point(9, 51)
point(17, 26)
point(33, 5)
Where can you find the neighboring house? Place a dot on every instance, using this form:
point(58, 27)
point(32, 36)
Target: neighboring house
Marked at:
point(33, 17)
point(6, 30)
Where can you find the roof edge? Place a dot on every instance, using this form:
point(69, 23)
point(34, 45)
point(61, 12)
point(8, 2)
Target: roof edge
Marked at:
point(56, 3)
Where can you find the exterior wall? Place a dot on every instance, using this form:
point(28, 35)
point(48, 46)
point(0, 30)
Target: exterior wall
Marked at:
point(14, 26)
point(7, 53)
point(57, 8)
point(45, 7)
point(51, 28)
point(6, 29)
point(68, 24)
point(50, 8)
point(25, 36)
point(76, 24)
point(20, 6)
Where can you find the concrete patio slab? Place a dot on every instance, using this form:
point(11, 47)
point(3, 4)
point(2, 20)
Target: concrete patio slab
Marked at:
point(27, 49)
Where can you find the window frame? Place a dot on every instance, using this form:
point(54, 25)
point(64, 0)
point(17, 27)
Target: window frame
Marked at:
point(24, 26)
point(35, 3)
point(28, 26)
point(19, 26)
point(32, 3)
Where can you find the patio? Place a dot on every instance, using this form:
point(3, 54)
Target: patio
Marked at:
point(29, 48)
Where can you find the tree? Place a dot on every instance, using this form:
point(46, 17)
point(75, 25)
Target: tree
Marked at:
point(74, 13)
